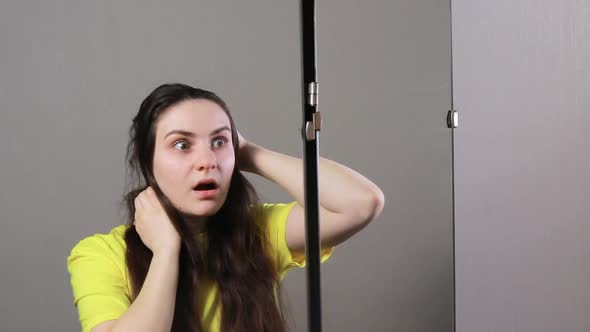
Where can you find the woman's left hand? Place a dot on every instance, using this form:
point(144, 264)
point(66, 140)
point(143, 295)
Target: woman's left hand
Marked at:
point(245, 153)
point(242, 140)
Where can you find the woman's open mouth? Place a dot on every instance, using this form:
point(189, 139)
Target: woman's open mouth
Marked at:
point(206, 190)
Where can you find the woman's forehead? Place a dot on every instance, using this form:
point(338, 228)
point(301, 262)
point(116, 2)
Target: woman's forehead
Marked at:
point(200, 117)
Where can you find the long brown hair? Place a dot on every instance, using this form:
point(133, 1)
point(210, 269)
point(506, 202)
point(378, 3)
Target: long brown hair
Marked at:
point(235, 255)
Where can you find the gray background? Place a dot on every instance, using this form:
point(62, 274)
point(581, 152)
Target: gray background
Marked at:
point(74, 73)
point(521, 72)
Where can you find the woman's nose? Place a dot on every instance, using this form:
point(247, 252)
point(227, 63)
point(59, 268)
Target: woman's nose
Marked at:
point(206, 159)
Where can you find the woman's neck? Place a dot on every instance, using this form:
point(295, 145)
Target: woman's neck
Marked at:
point(196, 224)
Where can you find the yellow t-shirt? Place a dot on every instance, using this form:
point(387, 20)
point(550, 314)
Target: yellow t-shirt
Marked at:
point(102, 289)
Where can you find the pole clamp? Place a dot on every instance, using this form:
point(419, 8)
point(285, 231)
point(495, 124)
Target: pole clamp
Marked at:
point(312, 93)
point(312, 127)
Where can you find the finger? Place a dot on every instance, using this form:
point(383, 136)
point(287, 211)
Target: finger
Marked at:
point(150, 197)
point(146, 198)
point(138, 202)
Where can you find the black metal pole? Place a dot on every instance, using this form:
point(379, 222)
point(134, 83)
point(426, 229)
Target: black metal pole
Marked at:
point(310, 134)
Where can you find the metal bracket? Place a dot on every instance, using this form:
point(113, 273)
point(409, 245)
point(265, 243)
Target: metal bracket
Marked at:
point(311, 127)
point(312, 93)
point(452, 119)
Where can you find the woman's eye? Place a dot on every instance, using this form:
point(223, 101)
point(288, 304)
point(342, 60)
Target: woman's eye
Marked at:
point(219, 142)
point(180, 143)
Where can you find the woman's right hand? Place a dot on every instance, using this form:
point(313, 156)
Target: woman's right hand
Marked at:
point(153, 225)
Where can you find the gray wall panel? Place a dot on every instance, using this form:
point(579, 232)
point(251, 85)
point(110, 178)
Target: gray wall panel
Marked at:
point(74, 74)
point(521, 73)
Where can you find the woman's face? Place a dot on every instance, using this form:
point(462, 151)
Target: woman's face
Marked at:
point(194, 143)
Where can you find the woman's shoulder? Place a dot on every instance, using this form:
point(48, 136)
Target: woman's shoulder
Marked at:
point(110, 245)
point(274, 212)
point(98, 275)
point(272, 218)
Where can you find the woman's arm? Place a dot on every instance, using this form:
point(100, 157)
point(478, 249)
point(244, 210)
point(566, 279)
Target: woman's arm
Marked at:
point(348, 200)
point(153, 310)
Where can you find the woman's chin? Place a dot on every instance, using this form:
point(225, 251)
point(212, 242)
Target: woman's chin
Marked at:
point(204, 209)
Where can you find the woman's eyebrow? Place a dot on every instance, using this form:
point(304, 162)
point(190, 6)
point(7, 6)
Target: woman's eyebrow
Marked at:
point(191, 134)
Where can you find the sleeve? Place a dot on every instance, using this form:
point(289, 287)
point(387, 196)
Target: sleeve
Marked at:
point(274, 219)
point(98, 284)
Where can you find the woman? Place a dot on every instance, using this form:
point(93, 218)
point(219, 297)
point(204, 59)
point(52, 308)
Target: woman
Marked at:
point(199, 252)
